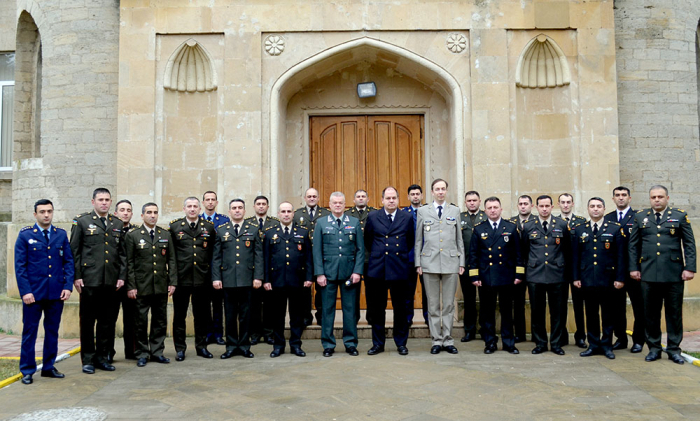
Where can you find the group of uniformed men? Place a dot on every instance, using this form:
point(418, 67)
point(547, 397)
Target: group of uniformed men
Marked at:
point(247, 270)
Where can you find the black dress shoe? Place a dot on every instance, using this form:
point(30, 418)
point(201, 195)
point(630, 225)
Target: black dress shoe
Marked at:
point(558, 351)
point(352, 351)
point(253, 341)
point(204, 353)
point(469, 336)
point(609, 354)
point(270, 340)
point(539, 350)
point(652, 356)
point(298, 352)
point(105, 366)
point(581, 343)
point(519, 339)
point(490, 349)
point(450, 349)
point(402, 350)
point(89, 369)
point(220, 341)
point(587, 353)
point(247, 354)
point(676, 358)
point(141, 362)
point(53, 373)
point(636, 348)
point(27, 379)
point(228, 354)
point(513, 350)
point(180, 356)
point(276, 353)
point(619, 345)
point(328, 352)
point(161, 360)
point(435, 349)
point(376, 349)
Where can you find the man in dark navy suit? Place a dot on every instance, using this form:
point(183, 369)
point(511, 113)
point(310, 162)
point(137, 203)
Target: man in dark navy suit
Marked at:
point(624, 215)
point(389, 235)
point(415, 196)
point(599, 266)
point(44, 269)
point(496, 266)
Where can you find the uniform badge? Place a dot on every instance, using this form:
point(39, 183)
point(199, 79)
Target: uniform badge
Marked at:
point(301, 220)
point(274, 237)
point(506, 238)
point(350, 237)
point(299, 247)
point(204, 244)
point(32, 241)
point(673, 231)
point(607, 246)
point(484, 235)
point(558, 241)
point(60, 252)
point(92, 228)
point(247, 243)
point(645, 221)
point(584, 235)
point(427, 228)
point(163, 251)
point(180, 234)
point(142, 243)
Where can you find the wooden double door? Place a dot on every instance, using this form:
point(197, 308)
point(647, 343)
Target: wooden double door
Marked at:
point(368, 152)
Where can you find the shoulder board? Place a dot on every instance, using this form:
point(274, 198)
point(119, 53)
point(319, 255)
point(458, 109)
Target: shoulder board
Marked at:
point(479, 223)
point(452, 204)
point(424, 204)
point(208, 222)
point(60, 229)
point(175, 220)
point(250, 217)
point(253, 223)
point(269, 228)
point(25, 228)
point(274, 218)
point(578, 222)
point(509, 221)
point(301, 227)
point(613, 223)
point(530, 221)
point(82, 214)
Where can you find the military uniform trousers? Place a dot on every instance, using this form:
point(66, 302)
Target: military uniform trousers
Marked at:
point(670, 296)
point(634, 290)
point(200, 311)
point(216, 327)
point(97, 323)
point(557, 295)
point(260, 324)
point(237, 312)
point(277, 309)
point(469, 292)
point(411, 297)
point(31, 315)
point(128, 307)
point(347, 302)
point(151, 345)
point(519, 292)
point(487, 314)
point(599, 299)
point(377, 290)
point(441, 289)
point(579, 319)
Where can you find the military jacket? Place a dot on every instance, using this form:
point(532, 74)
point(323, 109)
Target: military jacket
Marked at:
point(414, 215)
point(439, 246)
point(43, 268)
point(516, 221)
point(468, 228)
point(495, 256)
point(301, 218)
point(238, 259)
point(338, 252)
point(217, 219)
point(193, 251)
point(547, 255)
point(270, 221)
point(354, 212)
point(387, 245)
point(288, 258)
point(98, 250)
point(627, 222)
point(599, 260)
point(151, 263)
point(658, 250)
point(573, 221)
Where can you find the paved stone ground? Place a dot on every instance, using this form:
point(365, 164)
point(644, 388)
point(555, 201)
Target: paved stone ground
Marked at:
point(419, 386)
point(10, 345)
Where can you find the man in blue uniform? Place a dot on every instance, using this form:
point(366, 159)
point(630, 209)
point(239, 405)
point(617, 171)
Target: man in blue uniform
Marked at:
point(415, 196)
point(496, 267)
point(339, 259)
point(599, 257)
point(44, 269)
point(215, 332)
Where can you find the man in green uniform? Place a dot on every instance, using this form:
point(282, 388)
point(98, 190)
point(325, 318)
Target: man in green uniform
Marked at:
point(468, 220)
point(339, 259)
point(360, 211)
point(152, 277)
point(660, 242)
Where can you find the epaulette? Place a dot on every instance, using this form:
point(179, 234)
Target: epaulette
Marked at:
point(574, 226)
point(175, 220)
point(207, 221)
point(250, 217)
point(480, 222)
point(614, 223)
point(301, 227)
point(59, 229)
point(253, 224)
point(529, 220)
point(274, 218)
point(269, 228)
point(26, 228)
point(424, 204)
point(80, 215)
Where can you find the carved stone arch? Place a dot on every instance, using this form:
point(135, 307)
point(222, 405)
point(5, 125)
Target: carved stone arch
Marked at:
point(190, 69)
point(542, 64)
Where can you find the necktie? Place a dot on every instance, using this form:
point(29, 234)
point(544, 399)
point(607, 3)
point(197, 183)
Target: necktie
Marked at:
point(286, 230)
point(193, 225)
point(209, 218)
point(620, 218)
point(472, 218)
point(544, 225)
point(360, 211)
point(152, 235)
point(391, 218)
point(46, 235)
point(338, 221)
point(311, 213)
point(495, 226)
point(658, 218)
point(235, 229)
point(260, 221)
point(439, 211)
point(595, 229)
point(567, 220)
point(104, 221)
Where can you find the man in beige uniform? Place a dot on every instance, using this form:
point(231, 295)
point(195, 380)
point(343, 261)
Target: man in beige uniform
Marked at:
point(439, 257)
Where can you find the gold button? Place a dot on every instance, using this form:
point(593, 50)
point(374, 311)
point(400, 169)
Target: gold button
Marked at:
point(440, 249)
point(397, 245)
point(397, 254)
point(194, 247)
point(106, 234)
point(49, 266)
point(546, 245)
point(658, 235)
point(489, 248)
point(195, 263)
point(287, 263)
point(546, 254)
point(545, 237)
point(237, 247)
point(287, 255)
point(154, 263)
point(500, 255)
point(658, 253)
point(238, 239)
point(287, 241)
point(48, 248)
point(387, 245)
point(106, 261)
point(154, 255)
point(441, 240)
point(106, 242)
point(236, 261)
point(658, 227)
point(658, 244)
point(194, 254)
point(489, 256)
point(49, 276)
point(500, 263)
point(440, 230)
point(386, 252)
point(155, 271)
point(154, 246)
point(238, 255)
point(106, 251)
point(595, 255)
point(595, 263)
point(546, 263)
point(49, 257)
point(595, 241)
point(387, 236)
point(287, 248)
point(490, 264)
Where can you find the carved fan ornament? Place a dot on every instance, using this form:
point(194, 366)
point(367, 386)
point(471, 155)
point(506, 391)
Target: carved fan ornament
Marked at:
point(542, 64)
point(190, 69)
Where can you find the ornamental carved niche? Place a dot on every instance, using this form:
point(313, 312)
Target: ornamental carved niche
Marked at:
point(190, 69)
point(542, 64)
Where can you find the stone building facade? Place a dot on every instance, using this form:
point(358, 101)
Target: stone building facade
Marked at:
point(160, 100)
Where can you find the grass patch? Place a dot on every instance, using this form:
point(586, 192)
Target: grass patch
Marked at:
point(693, 354)
point(8, 368)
